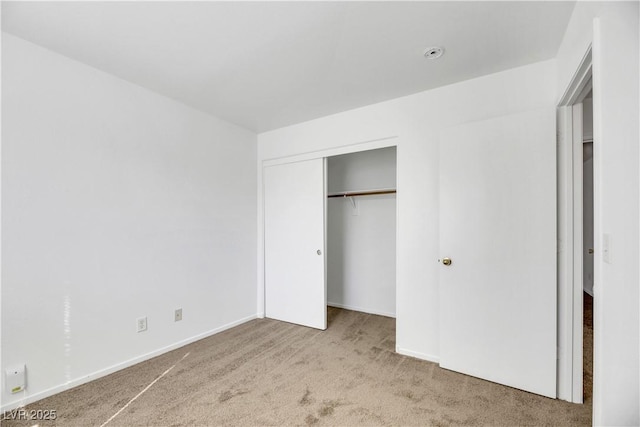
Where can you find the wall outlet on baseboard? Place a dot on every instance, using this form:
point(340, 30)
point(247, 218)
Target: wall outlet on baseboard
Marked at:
point(177, 315)
point(141, 324)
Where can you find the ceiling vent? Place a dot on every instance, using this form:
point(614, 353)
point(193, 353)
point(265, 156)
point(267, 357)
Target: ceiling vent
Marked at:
point(433, 52)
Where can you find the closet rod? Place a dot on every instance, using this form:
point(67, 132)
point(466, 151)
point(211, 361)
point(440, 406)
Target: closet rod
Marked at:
point(362, 193)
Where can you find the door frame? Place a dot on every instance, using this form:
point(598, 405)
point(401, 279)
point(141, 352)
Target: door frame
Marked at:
point(389, 141)
point(570, 231)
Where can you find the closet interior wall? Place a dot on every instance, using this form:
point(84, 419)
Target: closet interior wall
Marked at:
point(361, 232)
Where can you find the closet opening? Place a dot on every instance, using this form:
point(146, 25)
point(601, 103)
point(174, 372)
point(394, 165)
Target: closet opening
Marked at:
point(361, 232)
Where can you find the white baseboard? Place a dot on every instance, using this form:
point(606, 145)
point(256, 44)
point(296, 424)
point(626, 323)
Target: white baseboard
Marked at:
point(418, 355)
point(119, 366)
point(364, 310)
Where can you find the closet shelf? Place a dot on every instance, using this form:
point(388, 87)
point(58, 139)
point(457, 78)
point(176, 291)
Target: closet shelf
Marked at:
point(363, 193)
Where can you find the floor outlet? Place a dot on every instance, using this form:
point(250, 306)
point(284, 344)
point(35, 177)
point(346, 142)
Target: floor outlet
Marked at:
point(178, 315)
point(142, 324)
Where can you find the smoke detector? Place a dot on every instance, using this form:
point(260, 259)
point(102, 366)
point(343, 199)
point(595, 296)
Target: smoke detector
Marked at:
point(434, 52)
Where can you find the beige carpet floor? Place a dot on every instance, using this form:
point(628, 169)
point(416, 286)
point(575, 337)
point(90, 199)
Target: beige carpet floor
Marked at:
point(272, 373)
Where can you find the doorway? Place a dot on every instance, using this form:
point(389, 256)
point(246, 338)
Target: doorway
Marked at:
point(576, 228)
point(587, 246)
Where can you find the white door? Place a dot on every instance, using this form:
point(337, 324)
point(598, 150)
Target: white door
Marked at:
point(294, 224)
point(498, 227)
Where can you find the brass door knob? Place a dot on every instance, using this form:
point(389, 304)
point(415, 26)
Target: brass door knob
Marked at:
point(590, 250)
point(446, 261)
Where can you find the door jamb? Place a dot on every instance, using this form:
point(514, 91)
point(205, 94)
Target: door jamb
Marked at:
point(570, 239)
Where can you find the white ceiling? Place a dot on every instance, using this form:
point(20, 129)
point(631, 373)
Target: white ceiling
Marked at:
point(264, 65)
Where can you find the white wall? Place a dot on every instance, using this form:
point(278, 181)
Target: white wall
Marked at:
point(416, 121)
point(612, 27)
point(361, 241)
point(366, 170)
point(117, 203)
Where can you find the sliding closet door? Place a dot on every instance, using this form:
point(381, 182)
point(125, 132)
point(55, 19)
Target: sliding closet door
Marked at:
point(498, 227)
point(294, 224)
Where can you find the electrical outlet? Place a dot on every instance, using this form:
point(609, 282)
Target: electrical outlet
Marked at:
point(142, 324)
point(15, 380)
point(178, 315)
